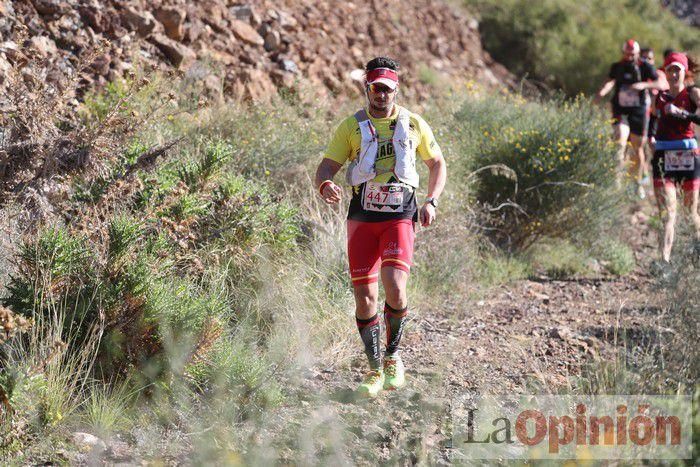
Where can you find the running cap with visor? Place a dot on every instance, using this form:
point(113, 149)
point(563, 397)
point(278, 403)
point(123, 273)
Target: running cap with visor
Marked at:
point(676, 59)
point(385, 76)
point(630, 46)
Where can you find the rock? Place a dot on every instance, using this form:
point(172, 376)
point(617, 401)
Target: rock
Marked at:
point(332, 82)
point(289, 65)
point(178, 54)
point(242, 12)
point(246, 33)
point(142, 22)
point(119, 451)
point(5, 68)
point(219, 56)
point(100, 65)
point(93, 17)
point(213, 88)
point(43, 45)
point(285, 20)
point(11, 51)
point(561, 332)
point(283, 78)
point(49, 7)
point(254, 85)
point(193, 30)
point(88, 442)
point(272, 41)
point(173, 20)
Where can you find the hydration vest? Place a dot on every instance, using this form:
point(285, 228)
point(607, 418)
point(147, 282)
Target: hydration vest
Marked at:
point(363, 169)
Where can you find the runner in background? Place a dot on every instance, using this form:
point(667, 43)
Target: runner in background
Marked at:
point(629, 79)
point(676, 162)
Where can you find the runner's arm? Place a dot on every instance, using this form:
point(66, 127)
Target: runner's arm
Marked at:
point(438, 175)
point(682, 114)
point(694, 94)
point(642, 85)
point(325, 172)
point(436, 183)
point(604, 90)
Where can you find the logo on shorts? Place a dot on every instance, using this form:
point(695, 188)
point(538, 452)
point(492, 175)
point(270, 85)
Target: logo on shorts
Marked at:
point(361, 270)
point(392, 248)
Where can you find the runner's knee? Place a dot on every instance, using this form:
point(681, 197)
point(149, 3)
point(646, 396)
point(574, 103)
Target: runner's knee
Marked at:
point(366, 296)
point(394, 281)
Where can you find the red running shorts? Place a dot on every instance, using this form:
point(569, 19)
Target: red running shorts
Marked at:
point(372, 245)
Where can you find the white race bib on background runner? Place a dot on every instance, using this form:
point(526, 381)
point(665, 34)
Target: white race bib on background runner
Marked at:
point(383, 197)
point(681, 160)
point(628, 97)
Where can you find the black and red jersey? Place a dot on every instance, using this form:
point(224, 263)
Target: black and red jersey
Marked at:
point(626, 73)
point(671, 128)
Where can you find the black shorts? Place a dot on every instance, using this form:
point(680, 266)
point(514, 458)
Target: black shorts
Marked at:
point(637, 119)
point(690, 179)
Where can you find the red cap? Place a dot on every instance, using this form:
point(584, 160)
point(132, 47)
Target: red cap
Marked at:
point(385, 76)
point(630, 46)
point(678, 59)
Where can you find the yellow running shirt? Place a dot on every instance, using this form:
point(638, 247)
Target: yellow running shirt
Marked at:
point(345, 145)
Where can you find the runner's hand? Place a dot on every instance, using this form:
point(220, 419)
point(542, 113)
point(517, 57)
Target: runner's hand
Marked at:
point(427, 214)
point(640, 86)
point(332, 193)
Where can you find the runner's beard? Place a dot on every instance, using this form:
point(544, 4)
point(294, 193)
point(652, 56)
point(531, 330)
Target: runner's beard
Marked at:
point(381, 106)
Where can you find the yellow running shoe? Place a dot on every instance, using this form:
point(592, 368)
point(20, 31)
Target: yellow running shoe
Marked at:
point(372, 384)
point(393, 373)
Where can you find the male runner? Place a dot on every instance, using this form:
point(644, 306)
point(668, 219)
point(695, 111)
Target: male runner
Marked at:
point(380, 142)
point(630, 78)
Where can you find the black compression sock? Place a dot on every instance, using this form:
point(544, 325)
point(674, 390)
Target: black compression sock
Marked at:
point(370, 334)
point(394, 320)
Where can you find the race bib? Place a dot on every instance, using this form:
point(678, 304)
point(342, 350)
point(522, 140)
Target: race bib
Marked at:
point(681, 160)
point(383, 197)
point(628, 97)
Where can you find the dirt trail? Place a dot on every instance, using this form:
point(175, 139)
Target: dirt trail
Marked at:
point(524, 337)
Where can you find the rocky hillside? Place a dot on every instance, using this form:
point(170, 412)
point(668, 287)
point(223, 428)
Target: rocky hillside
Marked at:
point(687, 10)
point(246, 50)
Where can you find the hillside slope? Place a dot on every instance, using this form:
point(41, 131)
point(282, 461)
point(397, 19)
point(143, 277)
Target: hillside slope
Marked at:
point(246, 50)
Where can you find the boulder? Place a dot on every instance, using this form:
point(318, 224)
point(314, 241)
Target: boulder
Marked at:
point(88, 442)
point(254, 85)
point(173, 21)
point(5, 68)
point(49, 7)
point(246, 33)
point(43, 45)
point(178, 54)
point(285, 20)
point(272, 40)
point(142, 22)
point(289, 65)
point(94, 18)
point(194, 30)
point(100, 65)
point(283, 78)
point(242, 12)
point(213, 88)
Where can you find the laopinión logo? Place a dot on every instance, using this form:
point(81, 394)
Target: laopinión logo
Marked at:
point(572, 427)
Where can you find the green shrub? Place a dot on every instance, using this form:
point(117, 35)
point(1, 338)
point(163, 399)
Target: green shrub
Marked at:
point(570, 44)
point(539, 169)
point(558, 259)
point(497, 269)
point(616, 257)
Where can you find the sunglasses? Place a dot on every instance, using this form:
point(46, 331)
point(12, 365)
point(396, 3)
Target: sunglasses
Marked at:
point(377, 88)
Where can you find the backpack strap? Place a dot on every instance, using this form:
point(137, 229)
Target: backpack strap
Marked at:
point(361, 116)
